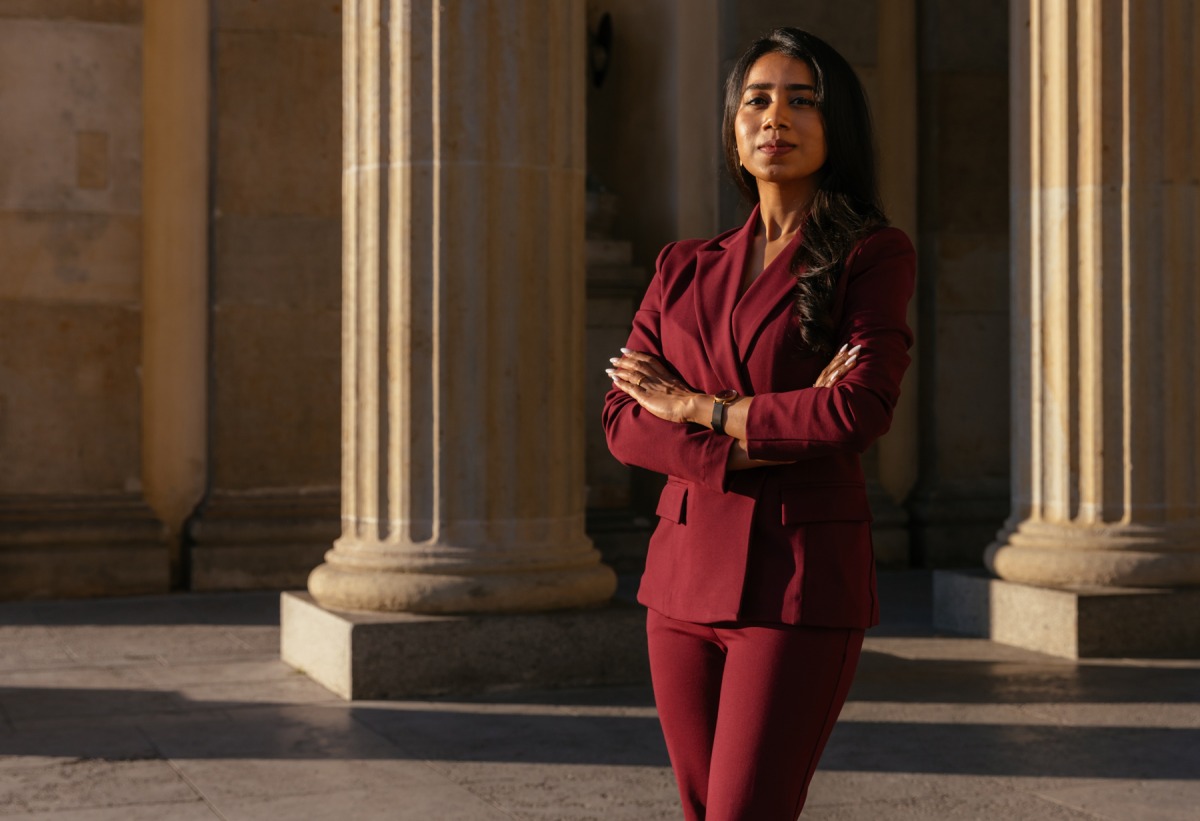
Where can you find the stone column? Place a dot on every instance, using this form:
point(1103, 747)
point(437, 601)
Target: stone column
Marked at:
point(1106, 313)
point(1106, 332)
point(175, 284)
point(463, 184)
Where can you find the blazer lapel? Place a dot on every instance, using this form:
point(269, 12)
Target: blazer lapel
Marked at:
point(769, 293)
point(719, 269)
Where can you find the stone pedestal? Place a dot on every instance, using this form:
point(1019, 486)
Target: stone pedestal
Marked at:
point(1075, 622)
point(463, 321)
point(405, 655)
point(1106, 317)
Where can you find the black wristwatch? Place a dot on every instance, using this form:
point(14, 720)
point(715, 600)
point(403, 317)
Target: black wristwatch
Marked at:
point(721, 403)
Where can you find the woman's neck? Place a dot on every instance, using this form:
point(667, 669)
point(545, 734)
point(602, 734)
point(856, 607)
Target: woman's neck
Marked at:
point(782, 210)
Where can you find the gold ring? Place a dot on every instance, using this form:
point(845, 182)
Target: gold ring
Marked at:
point(640, 381)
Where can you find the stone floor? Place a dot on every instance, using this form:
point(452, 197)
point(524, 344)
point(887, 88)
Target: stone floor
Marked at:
point(177, 707)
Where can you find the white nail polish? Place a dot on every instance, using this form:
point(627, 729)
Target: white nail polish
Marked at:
point(844, 347)
point(614, 360)
point(626, 350)
point(609, 371)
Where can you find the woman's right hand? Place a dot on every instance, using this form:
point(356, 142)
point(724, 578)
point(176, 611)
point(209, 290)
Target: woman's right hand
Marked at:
point(842, 363)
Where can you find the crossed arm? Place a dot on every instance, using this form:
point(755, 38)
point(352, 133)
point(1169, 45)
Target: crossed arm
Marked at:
point(649, 383)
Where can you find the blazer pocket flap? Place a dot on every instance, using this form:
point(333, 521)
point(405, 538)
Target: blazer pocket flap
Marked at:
point(824, 503)
point(672, 504)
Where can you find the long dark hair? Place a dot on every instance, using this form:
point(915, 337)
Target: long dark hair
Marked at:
point(846, 206)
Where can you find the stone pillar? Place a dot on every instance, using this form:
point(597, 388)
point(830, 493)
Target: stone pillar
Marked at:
point(1106, 319)
point(175, 92)
point(462, 476)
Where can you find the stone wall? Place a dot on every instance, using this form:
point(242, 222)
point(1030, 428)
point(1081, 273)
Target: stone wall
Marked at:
point(72, 517)
point(272, 505)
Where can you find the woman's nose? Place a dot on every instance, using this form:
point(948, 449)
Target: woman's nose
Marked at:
point(776, 118)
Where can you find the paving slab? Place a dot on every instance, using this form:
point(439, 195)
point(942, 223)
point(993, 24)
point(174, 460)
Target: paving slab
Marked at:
point(194, 810)
point(178, 707)
point(90, 783)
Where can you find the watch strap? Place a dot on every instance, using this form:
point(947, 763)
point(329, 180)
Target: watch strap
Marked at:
point(718, 417)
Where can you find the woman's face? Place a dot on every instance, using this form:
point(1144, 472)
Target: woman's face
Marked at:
point(780, 133)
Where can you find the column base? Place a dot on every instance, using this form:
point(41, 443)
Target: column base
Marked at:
point(382, 590)
point(403, 655)
point(1075, 623)
point(260, 542)
point(1063, 555)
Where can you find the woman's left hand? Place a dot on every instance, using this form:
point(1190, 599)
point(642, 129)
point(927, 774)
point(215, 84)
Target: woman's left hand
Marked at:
point(654, 387)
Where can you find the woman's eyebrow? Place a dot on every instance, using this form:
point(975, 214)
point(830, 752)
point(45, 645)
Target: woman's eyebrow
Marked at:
point(789, 87)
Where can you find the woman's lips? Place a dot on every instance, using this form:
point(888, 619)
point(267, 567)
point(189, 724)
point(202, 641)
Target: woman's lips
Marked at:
point(776, 147)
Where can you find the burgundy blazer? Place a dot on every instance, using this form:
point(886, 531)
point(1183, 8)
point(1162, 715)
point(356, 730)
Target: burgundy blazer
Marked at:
point(784, 544)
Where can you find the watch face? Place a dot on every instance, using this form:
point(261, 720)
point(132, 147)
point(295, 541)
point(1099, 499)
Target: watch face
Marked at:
point(726, 396)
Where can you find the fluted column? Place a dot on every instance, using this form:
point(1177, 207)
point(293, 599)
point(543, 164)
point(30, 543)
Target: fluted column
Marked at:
point(1106, 312)
point(463, 277)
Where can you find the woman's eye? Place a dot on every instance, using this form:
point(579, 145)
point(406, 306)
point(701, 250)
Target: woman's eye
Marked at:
point(757, 101)
point(804, 101)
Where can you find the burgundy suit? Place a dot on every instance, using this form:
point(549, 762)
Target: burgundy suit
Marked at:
point(786, 544)
point(759, 582)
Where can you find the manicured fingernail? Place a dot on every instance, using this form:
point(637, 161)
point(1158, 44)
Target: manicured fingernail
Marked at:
point(855, 349)
point(609, 371)
point(626, 350)
point(851, 360)
point(844, 347)
point(614, 360)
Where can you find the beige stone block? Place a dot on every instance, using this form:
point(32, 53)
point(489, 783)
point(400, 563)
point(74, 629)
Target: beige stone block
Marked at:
point(955, 520)
point(57, 546)
point(278, 260)
point(608, 323)
point(969, 390)
point(848, 27)
point(376, 655)
point(63, 80)
point(69, 410)
point(965, 35)
point(91, 159)
point(71, 257)
point(970, 153)
point(609, 252)
point(323, 17)
point(279, 123)
point(261, 540)
point(972, 272)
point(276, 398)
point(95, 11)
point(1072, 623)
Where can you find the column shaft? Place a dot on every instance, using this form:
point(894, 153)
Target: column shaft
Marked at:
point(463, 310)
point(175, 259)
point(1106, 301)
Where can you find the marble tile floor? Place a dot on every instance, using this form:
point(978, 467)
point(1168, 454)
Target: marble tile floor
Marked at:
point(177, 707)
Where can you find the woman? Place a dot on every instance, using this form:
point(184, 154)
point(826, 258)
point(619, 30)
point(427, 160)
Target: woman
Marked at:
point(761, 364)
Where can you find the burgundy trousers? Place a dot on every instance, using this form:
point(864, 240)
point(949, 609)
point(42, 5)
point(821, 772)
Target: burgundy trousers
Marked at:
point(746, 710)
